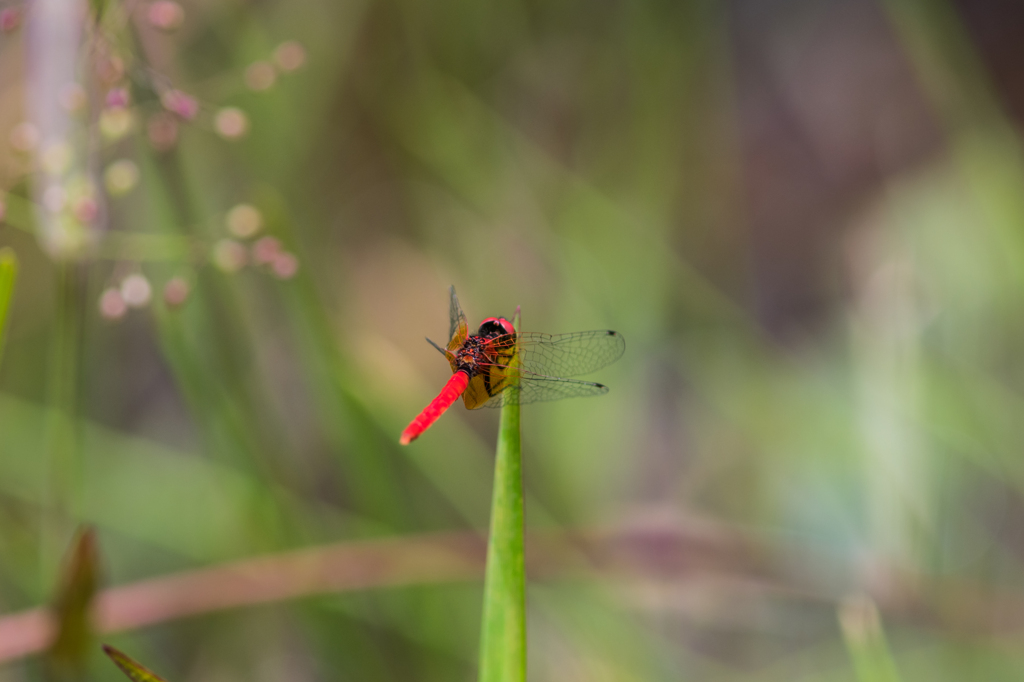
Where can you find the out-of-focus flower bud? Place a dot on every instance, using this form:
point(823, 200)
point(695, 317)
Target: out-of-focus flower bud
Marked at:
point(260, 76)
point(116, 122)
point(118, 98)
point(285, 265)
point(290, 55)
point(244, 220)
point(10, 19)
point(231, 123)
point(166, 15)
point(229, 255)
point(180, 103)
point(176, 292)
point(121, 176)
point(56, 157)
point(112, 305)
point(265, 250)
point(136, 291)
point(86, 210)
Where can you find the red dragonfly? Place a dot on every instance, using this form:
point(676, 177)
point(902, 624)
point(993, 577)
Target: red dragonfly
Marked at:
point(487, 373)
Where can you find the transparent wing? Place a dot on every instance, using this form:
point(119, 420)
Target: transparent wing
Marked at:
point(458, 328)
point(539, 389)
point(544, 362)
point(563, 355)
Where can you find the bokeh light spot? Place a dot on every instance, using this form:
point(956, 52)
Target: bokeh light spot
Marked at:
point(121, 176)
point(231, 123)
point(136, 290)
point(260, 76)
point(112, 305)
point(244, 220)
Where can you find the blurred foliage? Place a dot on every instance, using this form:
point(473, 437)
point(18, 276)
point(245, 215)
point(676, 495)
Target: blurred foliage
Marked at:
point(862, 629)
point(235, 222)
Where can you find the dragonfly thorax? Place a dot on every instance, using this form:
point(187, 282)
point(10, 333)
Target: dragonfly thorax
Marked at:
point(487, 348)
point(472, 357)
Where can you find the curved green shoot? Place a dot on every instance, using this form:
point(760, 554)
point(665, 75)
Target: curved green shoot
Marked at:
point(72, 610)
point(503, 633)
point(130, 667)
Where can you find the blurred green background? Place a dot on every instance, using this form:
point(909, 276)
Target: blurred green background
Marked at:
point(236, 221)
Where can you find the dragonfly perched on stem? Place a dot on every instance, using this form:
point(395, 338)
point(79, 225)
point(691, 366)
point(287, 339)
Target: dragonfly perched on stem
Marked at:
point(498, 365)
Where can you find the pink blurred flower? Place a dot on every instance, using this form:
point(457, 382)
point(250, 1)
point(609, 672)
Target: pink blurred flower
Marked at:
point(10, 19)
point(166, 15)
point(118, 97)
point(285, 265)
point(265, 250)
point(86, 210)
point(112, 305)
point(290, 55)
point(260, 76)
point(182, 104)
point(176, 292)
point(231, 123)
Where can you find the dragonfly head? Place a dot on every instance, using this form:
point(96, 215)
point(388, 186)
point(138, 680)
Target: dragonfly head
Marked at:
point(495, 326)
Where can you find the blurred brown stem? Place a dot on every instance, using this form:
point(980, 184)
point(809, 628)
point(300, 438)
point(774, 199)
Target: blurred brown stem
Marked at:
point(687, 563)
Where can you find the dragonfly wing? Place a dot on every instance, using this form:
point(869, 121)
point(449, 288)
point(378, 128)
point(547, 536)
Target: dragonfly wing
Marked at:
point(569, 355)
point(538, 389)
point(458, 329)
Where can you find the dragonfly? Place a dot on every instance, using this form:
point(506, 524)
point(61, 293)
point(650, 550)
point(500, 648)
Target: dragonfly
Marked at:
point(499, 365)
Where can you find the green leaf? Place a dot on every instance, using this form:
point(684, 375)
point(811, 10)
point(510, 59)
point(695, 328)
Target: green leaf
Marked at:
point(72, 608)
point(8, 273)
point(132, 668)
point(503, 633)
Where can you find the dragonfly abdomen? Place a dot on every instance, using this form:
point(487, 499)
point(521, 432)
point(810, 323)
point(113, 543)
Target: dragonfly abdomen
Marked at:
point(448, 395)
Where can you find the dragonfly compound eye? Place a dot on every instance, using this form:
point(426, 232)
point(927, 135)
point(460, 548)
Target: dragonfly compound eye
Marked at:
point(495, 326)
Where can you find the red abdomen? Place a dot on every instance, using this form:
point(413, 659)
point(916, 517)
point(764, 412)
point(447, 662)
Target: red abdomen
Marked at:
point(449, 394)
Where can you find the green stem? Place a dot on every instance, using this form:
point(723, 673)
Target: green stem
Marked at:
point(503, 634)
point(8, 273)
point(62, 457)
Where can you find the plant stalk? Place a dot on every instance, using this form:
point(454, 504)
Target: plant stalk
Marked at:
point(503, 633)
